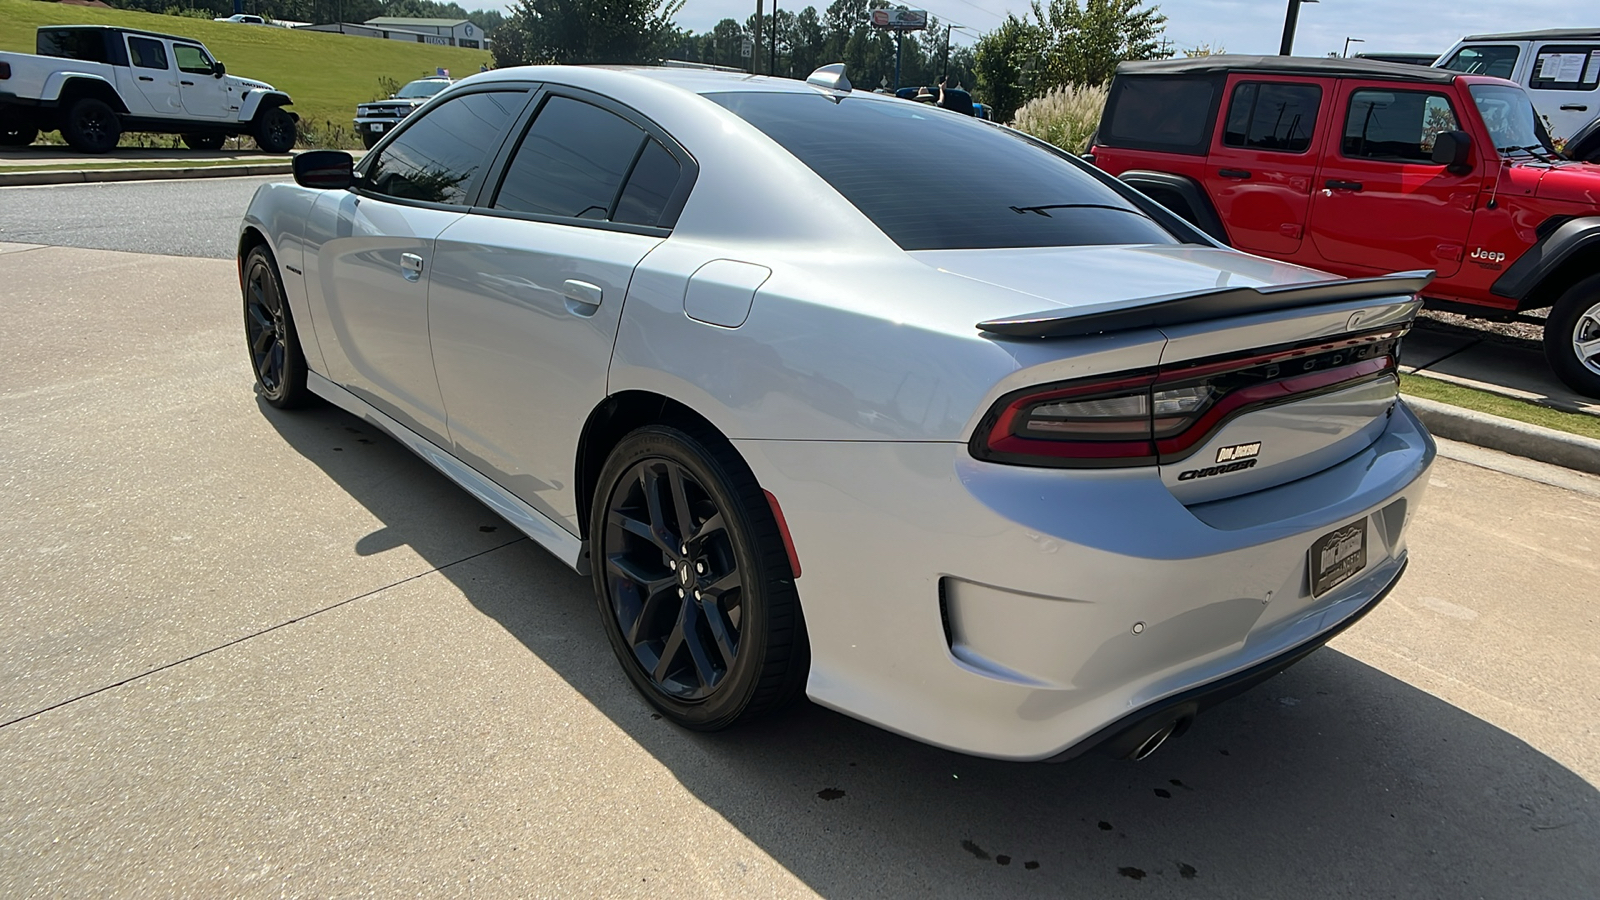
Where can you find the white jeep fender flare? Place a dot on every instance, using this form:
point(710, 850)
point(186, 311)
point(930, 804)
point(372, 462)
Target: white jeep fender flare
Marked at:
point(56, 82)
point(255, 101)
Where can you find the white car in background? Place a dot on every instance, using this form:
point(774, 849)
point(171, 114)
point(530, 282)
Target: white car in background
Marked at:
point(1017, 463)
point(1559, 67)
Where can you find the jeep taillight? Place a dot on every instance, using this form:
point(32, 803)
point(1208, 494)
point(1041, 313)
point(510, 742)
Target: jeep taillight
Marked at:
point(1162, 416)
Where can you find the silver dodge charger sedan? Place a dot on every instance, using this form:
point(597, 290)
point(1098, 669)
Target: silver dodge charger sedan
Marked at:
point(835, 393)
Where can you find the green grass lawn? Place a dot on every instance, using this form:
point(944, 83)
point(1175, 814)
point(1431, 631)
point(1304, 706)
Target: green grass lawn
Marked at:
point(325, 74)
point(1496, 405)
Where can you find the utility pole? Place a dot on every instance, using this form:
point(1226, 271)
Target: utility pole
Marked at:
point(1290, 19)
point(772, 40)
point(755, 49)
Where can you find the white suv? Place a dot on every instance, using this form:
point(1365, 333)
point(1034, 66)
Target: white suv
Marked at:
point(1560, 68)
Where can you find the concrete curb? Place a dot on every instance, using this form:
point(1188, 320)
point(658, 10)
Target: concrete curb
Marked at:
point(1508, 436)
point(82, 176)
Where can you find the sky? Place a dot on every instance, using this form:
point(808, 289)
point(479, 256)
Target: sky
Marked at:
point(1256, 26)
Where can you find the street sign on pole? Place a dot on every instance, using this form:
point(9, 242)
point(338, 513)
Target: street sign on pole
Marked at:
point(899, 19)
point(746, 47)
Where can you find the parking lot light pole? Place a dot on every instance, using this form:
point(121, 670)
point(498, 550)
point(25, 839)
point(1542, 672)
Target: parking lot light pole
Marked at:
point(1290, 19)
point(1350, 40)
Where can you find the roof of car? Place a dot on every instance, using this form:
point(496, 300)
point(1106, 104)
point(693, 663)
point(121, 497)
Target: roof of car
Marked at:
point(1569, 34)
point(140, 32)
point(1289, 65)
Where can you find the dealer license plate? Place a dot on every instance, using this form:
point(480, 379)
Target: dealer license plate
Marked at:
point(377, 128)
point(1337, 556)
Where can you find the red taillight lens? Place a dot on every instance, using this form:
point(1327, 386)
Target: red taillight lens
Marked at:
point(1143, 418)
point(5, 70)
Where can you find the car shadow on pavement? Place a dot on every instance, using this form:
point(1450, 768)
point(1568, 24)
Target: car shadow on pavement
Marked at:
point(1332, 780)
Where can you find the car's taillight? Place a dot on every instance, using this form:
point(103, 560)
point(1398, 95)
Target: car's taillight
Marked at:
point(5, 70)
point(1142, 418)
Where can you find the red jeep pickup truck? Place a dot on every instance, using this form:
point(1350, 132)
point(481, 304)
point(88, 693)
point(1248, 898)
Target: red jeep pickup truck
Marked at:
point(1360, 168)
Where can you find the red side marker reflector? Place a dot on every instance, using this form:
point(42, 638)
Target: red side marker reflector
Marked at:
point(783, 529)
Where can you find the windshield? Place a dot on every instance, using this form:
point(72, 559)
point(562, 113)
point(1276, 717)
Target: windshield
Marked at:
point(419, 89)
point(1511, 120)
point(936, 180)
point(1497, 60)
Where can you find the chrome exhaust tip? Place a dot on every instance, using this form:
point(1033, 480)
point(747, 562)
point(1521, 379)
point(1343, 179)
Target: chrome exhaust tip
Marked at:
point(1153, 743)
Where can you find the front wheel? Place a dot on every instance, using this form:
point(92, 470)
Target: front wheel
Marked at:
point(275, 355)
point(1572, 337)
point(91, 126)
point(275, 130)
point(693, 581)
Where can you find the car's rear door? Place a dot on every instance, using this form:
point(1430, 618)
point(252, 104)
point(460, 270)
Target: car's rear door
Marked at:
point(1261, 167)
point(1382, 204)
point(376, 251)
point(154, 75)
point(527, 291)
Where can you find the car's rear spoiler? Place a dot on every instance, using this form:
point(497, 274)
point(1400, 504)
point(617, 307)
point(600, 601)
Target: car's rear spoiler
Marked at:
point(1198, 306)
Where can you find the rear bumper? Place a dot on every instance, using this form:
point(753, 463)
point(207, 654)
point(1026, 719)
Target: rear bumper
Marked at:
point(1027, 614)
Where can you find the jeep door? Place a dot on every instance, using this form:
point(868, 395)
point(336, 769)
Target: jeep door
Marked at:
point(527, 292)
point(1381, 203)
point(1261, 167)
point(153, 75)
point(374, 252)
point(205, 96)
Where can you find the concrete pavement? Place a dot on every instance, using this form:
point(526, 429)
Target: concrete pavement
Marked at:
point(1502, 366)
point(257, 653)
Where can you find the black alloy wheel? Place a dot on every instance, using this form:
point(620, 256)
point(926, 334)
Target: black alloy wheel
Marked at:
point(92, 126)
point(693, 581)
point(275, 356)
point(275, 130)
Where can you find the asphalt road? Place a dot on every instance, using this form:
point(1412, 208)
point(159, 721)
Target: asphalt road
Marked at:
point(252, 653)
point(194, 217)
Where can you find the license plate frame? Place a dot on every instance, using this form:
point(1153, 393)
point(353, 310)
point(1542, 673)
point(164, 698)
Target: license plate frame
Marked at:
point(1337, 557)
point(377, 127)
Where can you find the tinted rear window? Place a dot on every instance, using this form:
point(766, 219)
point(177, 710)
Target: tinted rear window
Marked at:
point(936, 180)
point(87, 44)
point(1153, 112)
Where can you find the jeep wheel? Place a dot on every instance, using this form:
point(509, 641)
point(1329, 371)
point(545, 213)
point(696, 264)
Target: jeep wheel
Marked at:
point(1572, 337)
point(275, 130)
point(204, 141)
point(17, 135)
point(91, 126)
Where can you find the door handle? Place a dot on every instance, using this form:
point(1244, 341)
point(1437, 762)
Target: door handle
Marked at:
point(1338, 185)
point(583, 298)
point(1234, 173)
point(1575, 107)
point(187, 83)
point(146, 78)
point(410, 266)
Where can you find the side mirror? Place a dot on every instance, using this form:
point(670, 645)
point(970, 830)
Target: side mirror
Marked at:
point(328, 170)
point(218, 69)
point(1450, 149)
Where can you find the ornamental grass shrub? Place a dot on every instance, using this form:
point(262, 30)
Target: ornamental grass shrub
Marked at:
point(1066, 116)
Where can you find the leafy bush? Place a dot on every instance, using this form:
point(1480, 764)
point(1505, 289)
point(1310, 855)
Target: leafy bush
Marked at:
point(1065, 116)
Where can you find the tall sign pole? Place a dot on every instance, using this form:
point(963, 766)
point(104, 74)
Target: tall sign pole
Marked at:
point(1291, 18)
point(757, 54)
point(772, 39)
point(899, 20)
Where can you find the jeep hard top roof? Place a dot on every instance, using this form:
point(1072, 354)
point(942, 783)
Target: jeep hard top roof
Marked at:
point(1289, 65)
point(120, 29)
point(1549, 34)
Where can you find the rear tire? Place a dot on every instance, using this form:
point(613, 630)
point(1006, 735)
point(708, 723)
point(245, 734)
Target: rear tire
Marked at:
point(693, 581)
point(204, 141)
point(1572, 337)
point(274, 344)
point(91, 126)
point(275, 130)
point(17, 135)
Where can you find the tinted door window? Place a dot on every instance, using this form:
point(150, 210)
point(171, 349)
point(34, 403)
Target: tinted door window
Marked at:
point(1566, 68)
point(1499, 61)
point(147, 54)
point(439, 156)
point(934, 180)
point(191, 59)
point(1396, 125)
point(571, 163)
point(649, 187)
point(88, 45)
point(1161, 113)
point(1263, 116)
